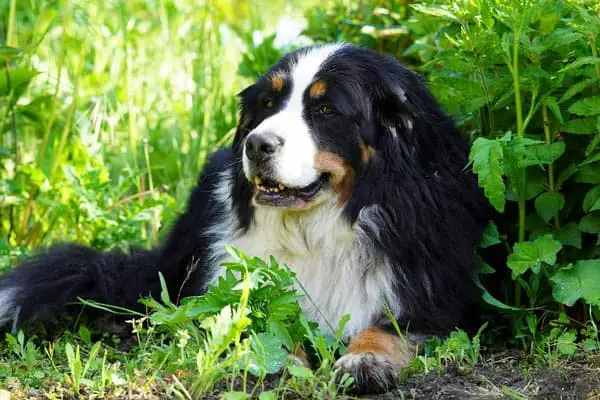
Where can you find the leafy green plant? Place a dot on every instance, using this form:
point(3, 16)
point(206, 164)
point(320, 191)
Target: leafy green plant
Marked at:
point(522, 80)
point(24, 349)
point(78, 371)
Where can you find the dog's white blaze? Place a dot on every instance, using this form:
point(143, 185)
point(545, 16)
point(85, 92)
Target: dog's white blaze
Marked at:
point(335, 262)
point(7, 302)
point(295, 161)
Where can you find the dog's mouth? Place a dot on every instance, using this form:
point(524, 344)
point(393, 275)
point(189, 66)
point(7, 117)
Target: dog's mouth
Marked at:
point(271, 193)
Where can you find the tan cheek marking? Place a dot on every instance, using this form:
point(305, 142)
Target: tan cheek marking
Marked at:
point(318, 88)
point(277, 81)
point(367, 150)
point(374, 340)
point(342, 174)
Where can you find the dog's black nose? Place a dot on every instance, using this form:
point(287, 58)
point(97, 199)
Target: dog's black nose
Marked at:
point(260, 147)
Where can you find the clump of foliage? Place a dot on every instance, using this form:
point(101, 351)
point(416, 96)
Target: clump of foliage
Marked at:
point(522, 79)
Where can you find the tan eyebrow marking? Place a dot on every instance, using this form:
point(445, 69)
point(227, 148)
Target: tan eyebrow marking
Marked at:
point(277, 81)
point(318, 88)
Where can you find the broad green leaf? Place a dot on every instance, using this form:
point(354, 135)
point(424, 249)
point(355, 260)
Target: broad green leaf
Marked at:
point(569, 235)
point(580, 126)
point(486, 156)
point(586, 107)
point(235, 395)
point(579, 281)
point(267, 395)
point(531, 255)
point(588, 173)
point(565, 174)
point(591, 201)
point(549, 203)
point(490, 236)
point(274, 356)
point(300, 372)
point(590, 223)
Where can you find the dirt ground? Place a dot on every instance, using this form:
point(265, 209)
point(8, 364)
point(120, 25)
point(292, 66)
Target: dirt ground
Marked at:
point(503, 376)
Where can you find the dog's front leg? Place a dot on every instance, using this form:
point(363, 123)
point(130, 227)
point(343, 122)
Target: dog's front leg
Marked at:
point(374, 359)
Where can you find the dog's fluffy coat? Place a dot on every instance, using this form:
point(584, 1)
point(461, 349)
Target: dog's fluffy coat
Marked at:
point(345, 168)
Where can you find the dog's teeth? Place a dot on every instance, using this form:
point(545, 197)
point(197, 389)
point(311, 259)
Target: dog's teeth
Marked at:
point(257, 180)
point(281, 187)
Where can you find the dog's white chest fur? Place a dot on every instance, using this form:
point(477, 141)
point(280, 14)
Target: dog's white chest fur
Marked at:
point(334, 262)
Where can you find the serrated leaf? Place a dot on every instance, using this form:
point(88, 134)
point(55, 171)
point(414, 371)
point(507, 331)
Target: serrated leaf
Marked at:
point(565, 344)
point(549, 203)
point(552, 104)
point(436, 11)
point(576, 89)
point(586, 107)
point(590, 223)
point(580, 126)
point(561, 37)
point(591, 201)
point(581, 281)
point(542, 154)
point(581, 61)
point(531, 255)
point(486, 156)
point(490, 236)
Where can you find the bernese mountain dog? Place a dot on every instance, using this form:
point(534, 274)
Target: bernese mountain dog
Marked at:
point(344, 167)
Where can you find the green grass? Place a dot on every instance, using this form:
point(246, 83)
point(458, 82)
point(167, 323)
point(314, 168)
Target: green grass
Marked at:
point(108, 111)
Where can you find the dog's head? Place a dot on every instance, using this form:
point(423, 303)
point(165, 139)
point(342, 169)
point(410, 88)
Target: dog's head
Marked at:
point(312, 125)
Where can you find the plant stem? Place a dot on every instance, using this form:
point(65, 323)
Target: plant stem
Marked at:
point(11, 39)
point(520, 132)
point(548, 138)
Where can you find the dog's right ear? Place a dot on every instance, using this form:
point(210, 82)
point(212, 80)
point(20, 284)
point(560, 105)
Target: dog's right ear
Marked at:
point(248, 99)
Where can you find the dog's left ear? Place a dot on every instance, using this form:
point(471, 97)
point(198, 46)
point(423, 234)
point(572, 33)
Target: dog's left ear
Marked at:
point(396, 111)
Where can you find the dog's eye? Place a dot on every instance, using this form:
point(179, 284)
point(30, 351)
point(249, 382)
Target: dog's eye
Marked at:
point(325, 109)
point(269, 103)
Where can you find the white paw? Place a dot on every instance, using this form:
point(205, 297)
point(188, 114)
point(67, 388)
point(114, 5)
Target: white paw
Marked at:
point(372, 373)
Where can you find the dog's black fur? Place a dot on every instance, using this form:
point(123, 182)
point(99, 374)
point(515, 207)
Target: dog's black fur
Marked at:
point(432, 209)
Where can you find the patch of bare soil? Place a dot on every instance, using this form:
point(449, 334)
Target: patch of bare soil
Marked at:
point(507, 376)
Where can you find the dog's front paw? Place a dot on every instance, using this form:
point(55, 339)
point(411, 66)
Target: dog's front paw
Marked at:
point(372, 373)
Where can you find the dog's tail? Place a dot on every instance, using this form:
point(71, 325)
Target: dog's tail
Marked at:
point(52, 282)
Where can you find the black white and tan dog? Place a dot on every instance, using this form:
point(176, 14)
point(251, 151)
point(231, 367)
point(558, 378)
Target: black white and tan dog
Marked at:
point(344, 167)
